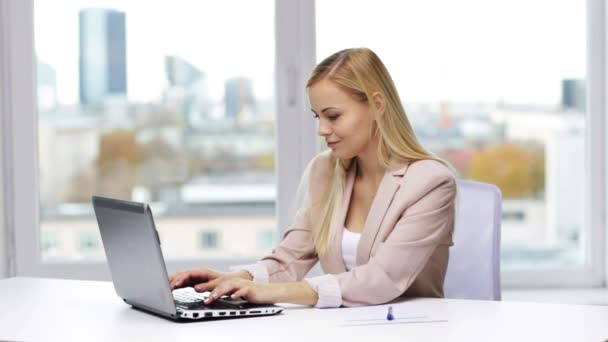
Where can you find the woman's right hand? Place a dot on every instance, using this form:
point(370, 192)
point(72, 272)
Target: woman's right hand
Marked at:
point(202, 275)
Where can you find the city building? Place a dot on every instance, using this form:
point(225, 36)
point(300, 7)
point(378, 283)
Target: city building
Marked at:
point(47, 87)
point(574, 95)
point(186, 92)
point(239, 99)
point(103, 55)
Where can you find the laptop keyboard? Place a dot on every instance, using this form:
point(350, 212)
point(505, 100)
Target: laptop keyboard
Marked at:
point(188, 297)
point(194, 301)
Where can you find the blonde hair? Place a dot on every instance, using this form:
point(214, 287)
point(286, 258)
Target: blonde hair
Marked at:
point(361, 73)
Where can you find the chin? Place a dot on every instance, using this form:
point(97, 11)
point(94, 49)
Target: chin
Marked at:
point(336, 153)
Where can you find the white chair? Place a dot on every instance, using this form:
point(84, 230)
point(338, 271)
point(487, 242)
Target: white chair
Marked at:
point(474, 265)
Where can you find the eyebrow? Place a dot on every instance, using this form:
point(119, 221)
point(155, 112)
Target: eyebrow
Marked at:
point(324, 109)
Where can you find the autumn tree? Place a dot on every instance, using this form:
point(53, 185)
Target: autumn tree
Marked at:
point(263, 161)
point(116, 163)
point(518, 171)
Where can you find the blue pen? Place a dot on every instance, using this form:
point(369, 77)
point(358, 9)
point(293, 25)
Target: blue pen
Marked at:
point(389, 316)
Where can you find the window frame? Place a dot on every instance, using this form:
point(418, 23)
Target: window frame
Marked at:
point(593, 273)
point(7, 261)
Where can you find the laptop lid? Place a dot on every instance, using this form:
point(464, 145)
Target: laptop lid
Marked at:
point(134, 255)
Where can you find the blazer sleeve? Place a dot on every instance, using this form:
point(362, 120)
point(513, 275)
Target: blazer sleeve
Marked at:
point(402, 256)
point(291, 259)
point(295, 255)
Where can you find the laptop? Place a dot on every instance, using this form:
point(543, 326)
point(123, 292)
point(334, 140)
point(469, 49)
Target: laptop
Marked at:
point(138, 270)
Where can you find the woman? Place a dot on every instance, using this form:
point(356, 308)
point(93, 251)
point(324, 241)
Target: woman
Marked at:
point(378, 211)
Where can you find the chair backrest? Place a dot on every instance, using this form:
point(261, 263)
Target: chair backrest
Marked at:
point(474, 265)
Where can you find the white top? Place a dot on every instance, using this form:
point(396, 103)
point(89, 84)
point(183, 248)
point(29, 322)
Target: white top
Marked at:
point(350, 241)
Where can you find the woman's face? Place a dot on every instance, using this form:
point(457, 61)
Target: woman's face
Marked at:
point(344, 122)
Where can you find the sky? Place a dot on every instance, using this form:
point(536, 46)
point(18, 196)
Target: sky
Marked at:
point(220, 41)
point(468, 50)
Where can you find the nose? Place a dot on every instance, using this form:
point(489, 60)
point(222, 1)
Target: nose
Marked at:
point(323, 129)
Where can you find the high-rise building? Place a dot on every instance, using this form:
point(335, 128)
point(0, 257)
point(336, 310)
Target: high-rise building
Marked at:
point(180, 72)
point(573, 94)
point(238, 93)
point(103, 55)
point(186, 92)
point(47, 87)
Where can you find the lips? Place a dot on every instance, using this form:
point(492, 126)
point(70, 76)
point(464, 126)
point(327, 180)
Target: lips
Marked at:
point(332, 144)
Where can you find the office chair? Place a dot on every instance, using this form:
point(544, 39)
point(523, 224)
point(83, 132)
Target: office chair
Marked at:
point(474, 265)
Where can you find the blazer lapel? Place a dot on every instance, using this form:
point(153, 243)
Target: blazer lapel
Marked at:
point(384, 196)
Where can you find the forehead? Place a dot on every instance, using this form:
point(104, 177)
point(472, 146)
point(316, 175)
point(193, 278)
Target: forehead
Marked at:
point(327, 93)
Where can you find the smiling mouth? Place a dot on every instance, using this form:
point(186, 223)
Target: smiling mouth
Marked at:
point(332, 144)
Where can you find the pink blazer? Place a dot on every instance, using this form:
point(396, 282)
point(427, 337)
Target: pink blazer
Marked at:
point(403, 249)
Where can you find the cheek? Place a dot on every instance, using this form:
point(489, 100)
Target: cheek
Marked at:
point(359, 129)
point(356, 132)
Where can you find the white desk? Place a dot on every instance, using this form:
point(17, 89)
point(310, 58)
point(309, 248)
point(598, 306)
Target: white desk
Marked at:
point(34, 309)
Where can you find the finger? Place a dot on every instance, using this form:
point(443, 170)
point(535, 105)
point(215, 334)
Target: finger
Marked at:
point(208, 286)
point(206, 273)
point(241, 293)
point(200, 275)
point(212, 274)
point(183, 279)
point(190, 278)
point(224, 288)
point(176, 279)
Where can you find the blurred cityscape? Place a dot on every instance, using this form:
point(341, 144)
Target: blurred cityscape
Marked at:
point(207, 165)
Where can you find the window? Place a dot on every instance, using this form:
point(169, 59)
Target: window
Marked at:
point(206, 107)
point(516, 216)
point(500, 97)
point(265, 240)
point(209, 240)
point(477, 88)
point(49, 244)
point(89, 244)
point(148, 102)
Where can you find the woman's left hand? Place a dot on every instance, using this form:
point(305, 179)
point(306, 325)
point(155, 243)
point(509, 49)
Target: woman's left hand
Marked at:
point(238, 288)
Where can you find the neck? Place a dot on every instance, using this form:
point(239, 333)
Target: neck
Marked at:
point(368, 166)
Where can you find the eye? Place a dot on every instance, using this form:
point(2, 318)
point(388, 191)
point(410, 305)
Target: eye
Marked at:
point(333, 117)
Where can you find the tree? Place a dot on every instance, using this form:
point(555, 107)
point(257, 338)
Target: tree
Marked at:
point(116, 145)
point(116, 163)
point(263, 161)
point(517, 171)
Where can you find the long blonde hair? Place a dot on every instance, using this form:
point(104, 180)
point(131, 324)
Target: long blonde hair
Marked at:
point(361, 73)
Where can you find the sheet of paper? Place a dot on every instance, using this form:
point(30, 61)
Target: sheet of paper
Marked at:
point(378, 317)
point(411, 320)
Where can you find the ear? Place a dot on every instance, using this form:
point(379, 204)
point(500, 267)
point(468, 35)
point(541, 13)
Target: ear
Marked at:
point(379, 102)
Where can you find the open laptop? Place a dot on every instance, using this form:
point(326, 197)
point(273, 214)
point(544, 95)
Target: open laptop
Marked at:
point(138, 269)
